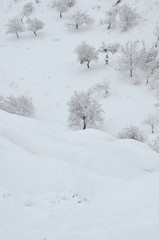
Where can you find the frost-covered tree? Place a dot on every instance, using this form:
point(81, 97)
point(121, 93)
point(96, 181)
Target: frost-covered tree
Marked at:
point(132, 132)
point(84, 110)
point(60, 6)
point(35, 25)
point(86, 53)
point(78, 19)
point(130, 58)
point(63, 5)
point(127, 17)
point(109, 48)
point(27, 10)
point(15, 26)
point(102, 88)
point(21, 105)
point(111, 18)
point(149, 62)
point(152, 121)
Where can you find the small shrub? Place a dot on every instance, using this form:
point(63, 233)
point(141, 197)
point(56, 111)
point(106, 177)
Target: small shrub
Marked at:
point(103, 89)
point(132, 132)
point(155, 145)
point(21, 105)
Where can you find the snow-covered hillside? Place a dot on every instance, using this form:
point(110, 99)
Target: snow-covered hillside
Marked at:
point(56, 183)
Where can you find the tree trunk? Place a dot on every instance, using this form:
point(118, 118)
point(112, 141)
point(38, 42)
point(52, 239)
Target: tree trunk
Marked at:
point(22, 18)
point(17, 35)
point(35, 34)
point(109, 26)
point(106, 58)
point(88, 64)
point(131, 72)
point(157, 42)
point(152, 129)
point(119, 1)
point(60, 14)
point(76, 26)
point(84, 123)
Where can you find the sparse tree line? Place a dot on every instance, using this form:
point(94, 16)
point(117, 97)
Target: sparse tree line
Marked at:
point(118, 17)
point(121, 17)
point(85, 112)
point(128, 17)
point(83, 107)
point(77, 19)
point(16, 25)
point(133, 56)
point(83, 104)
point(87, 54)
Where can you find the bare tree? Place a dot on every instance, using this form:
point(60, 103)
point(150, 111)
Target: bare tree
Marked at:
point(132, 132)
point(111, 18)
point(86, 53)
point(15, 26)
point(128, 17)
point(35, 25)
point(84, 110)
point(63, 5)
point(149, 62)
point(77, 19)
point(109, 48)
point(152, 121)
point(130, 57)
point(27, 10)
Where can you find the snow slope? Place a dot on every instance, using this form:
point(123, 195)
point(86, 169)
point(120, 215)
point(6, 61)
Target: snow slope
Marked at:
point(57, 184)
point(65, 185)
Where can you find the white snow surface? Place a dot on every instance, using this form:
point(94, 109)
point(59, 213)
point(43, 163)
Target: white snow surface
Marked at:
point(59, 184)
